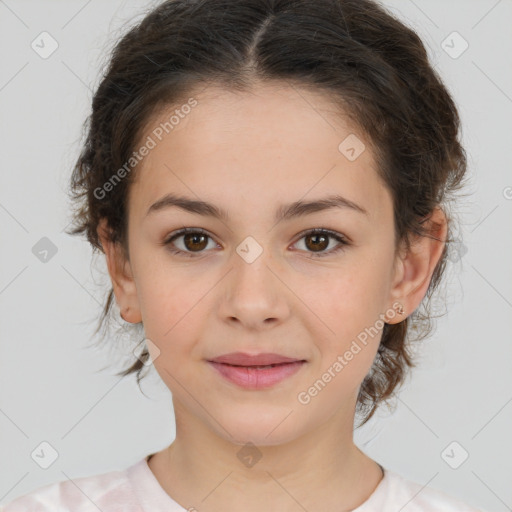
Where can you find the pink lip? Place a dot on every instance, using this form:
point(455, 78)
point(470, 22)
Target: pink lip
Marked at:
point(245, 370)
point(243, 359)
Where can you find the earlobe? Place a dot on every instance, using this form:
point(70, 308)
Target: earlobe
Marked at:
point(416, 266)
point(395, 314)
point(119, 269)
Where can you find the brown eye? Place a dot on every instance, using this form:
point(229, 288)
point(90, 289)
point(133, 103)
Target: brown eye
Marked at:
point(319, 242)
point(195, 241)
point(189, 242)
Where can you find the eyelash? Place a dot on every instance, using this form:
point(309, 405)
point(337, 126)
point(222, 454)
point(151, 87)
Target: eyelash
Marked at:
point(316, 231)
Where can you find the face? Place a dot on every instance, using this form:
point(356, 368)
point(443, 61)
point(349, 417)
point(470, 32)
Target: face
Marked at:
point(251, 281)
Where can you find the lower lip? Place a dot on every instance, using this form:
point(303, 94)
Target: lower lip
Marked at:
point(257, 378)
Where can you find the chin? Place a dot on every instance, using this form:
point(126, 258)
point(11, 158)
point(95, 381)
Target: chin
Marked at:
point(262, 428)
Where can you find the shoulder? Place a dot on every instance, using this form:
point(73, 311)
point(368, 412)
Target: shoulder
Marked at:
point(414, 497)
point(109, 492)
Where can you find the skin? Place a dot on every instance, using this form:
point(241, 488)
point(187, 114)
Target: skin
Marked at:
point(249, 153)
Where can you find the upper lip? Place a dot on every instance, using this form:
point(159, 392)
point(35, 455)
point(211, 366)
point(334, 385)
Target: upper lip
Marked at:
point(243, 359)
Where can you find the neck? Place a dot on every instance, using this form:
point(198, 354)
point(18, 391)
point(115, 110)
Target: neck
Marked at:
point(321, 470)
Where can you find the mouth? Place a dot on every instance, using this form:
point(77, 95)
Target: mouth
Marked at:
point(258, 367)
point(256, 372)
point(263, 359)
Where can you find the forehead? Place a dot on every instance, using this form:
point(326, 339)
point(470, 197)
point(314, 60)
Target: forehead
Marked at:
point(270, 145)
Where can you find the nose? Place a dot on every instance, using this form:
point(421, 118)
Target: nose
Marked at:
point(255, 296)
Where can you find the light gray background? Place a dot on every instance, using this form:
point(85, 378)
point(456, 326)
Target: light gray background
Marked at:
point(51, 386)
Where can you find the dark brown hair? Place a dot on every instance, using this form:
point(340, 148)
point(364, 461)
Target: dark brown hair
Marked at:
point(353, 51)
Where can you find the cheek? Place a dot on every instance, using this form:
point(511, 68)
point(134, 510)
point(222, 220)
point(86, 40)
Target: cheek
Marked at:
point(351, 307)
point(352, 300)
point(171, 322)
point(171, 303)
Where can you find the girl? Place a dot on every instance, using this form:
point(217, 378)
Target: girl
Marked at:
point(266, 179)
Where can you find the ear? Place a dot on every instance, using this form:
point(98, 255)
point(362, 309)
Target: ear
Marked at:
point(121, 275)
point(414, 268)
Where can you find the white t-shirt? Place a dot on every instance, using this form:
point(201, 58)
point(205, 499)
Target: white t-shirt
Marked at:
point(136, 489)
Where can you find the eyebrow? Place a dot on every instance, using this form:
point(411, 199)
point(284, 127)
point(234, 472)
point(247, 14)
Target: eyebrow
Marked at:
point(284, 212)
